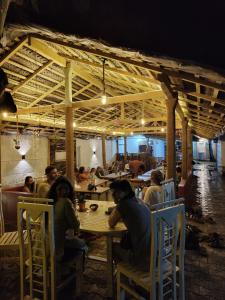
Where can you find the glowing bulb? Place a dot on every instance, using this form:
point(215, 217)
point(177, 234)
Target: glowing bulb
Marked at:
point(104, 99)
point(162, 129)
point(74, 124)
point(114, 133)
point(142, 121)
point(131, 133)
point(5, 114)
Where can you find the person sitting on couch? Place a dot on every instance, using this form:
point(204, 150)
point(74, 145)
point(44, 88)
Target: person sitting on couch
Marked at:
point(28, 185)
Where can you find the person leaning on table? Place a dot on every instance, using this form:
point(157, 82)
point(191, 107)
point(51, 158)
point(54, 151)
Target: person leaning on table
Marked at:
point(134, 247)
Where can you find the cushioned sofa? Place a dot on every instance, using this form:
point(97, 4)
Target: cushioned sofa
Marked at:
point(9, 202)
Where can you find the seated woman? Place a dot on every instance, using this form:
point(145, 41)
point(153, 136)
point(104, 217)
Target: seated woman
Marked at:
point(82, 175)
point(92, 174)
point(28, 185)
point(99, 172)
point(153, 194)
point(65, 220)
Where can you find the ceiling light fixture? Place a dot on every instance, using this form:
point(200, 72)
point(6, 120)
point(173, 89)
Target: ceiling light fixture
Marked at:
point(4, 114)
point(131, 133)
point(74, 124)
point(104, 97)
point(163, 129)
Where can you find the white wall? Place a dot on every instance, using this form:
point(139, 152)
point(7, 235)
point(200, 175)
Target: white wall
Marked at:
point(13, 168)
point(133, 143)
point(86, 149)
point(220, 154)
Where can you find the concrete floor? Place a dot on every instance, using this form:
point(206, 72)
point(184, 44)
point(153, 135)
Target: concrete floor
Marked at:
point(205, 275)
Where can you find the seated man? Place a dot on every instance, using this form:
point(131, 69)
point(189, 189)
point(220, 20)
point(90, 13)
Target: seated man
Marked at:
point(134, 247)
point(43, 188)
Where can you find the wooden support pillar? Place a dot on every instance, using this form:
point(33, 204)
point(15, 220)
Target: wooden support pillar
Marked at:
point(75, 152)
point(171, 137)
point(117, 148)
point(184, 148)
point(69, 123)
point(4, 5)
point(189, 149)
point(125, 148)
point(103, 152)
point(69, 144)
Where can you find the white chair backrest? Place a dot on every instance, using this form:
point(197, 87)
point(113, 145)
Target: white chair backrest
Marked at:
point(167, 204)
point(168, 190)
point(35, 200)
point(167, 241)
point(2, 223)
point(41, 249)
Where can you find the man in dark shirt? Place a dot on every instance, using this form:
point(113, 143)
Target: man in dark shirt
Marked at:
point(135, 245)
point(6, 100)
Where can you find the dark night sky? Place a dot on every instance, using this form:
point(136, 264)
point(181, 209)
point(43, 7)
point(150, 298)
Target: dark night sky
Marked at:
point(190, 31)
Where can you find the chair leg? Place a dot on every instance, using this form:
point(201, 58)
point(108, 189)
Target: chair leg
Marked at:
point(79, 278)
point(120, 292)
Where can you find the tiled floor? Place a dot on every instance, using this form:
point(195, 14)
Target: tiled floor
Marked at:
point(205, 275)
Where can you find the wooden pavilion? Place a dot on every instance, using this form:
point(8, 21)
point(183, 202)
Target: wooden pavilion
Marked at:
point(57, 84)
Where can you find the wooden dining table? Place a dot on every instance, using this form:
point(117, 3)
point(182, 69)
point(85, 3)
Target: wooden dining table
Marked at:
point(96, 222)
point(115, 176)
point(99, 191)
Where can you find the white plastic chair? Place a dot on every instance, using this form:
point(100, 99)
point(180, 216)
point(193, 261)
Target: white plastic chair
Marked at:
point(168, 190)
point(166, 259)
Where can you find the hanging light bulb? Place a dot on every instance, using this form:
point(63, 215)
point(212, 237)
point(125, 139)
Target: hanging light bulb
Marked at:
point(143, 121)
point(74, 124)
point(163, 129)
point(103, 98)
point(4, 114)
point(131, 133)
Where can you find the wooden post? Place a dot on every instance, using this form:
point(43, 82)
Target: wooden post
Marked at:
point(189, 149)
point(69, 123)
point(75, 152)
point(117, 148)
point(69, 144)
point(125, 148)
point(103, 152)
point(184, 148)
point(4, 5)
point(171, 136)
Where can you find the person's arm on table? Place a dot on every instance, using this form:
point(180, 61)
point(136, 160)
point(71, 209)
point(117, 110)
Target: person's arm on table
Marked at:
point(114, 218)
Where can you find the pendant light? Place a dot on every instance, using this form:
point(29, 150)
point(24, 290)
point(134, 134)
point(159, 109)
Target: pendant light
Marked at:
point(17, 139)
point(103, 97)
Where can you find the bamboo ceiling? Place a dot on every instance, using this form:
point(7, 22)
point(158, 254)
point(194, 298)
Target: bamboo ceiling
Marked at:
point(137, 87)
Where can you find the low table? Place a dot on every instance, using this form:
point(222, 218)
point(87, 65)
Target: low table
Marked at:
point(97, 222)
point(100, 190)
point(115, 176)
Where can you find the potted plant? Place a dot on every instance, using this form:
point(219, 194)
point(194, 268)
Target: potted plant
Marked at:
point(81, 202)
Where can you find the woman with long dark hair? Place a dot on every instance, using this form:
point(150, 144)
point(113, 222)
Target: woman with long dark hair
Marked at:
point(65, 220)
point(28, 185)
